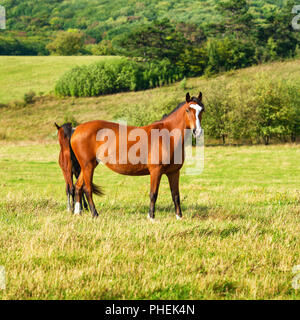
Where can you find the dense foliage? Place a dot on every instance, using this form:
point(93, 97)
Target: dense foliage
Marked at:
point(168, 41)
point(268, 109)
point(181, 31)
point(116, 75)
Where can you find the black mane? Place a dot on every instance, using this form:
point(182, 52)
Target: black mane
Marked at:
point(68, 130)
point(194, 99)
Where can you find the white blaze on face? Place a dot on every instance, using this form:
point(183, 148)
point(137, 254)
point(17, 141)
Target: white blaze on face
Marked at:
point(198, 125)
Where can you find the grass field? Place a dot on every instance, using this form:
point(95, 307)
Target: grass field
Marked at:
point(19, 75)
point(239, 238)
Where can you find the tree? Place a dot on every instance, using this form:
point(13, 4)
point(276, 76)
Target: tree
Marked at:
point(103, 48)
point(277, 32)
point(216, 120)
point(67, 43)
point(226, 54)
point(154, 41)
point(238, 20)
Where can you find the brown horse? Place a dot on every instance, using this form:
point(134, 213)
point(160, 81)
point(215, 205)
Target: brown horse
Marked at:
point(68, 162)
point(94, 141)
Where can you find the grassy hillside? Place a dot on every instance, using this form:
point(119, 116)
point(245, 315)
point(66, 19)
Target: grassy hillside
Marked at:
point(18, 75)
point(239, 238)
point(25, 122)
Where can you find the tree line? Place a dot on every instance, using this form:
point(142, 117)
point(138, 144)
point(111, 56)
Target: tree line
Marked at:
point(238, 37)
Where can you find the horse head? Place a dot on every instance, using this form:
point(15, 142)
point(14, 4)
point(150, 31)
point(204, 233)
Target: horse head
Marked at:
point(194, 109)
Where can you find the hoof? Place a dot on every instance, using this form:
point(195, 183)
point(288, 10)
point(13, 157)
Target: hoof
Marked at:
point(151, 219)
point(178, 217)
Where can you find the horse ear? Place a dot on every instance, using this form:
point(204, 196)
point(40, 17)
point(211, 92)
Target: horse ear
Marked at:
point(57, 126)
point(188, 97)
point(200, 96)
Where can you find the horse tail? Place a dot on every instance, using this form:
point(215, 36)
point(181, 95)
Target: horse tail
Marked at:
point(97, 190)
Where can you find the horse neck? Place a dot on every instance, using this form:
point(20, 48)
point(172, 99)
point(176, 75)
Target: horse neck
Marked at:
point(176, 120)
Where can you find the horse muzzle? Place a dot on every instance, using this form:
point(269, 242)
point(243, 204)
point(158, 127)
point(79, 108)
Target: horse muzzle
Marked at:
point(197, 133)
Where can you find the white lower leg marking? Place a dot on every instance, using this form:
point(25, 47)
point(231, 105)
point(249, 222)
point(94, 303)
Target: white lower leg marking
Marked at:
point(151, 219)
point(77, 208)
point(178, 218)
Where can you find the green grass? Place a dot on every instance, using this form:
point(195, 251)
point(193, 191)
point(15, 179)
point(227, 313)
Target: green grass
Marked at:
point(19, 123)
point(19, 75)
point(239, 238)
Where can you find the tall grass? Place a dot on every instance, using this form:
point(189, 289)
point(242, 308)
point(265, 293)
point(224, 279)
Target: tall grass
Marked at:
point(239, 238)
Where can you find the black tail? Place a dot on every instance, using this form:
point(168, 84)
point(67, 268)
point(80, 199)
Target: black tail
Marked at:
point(97, 190)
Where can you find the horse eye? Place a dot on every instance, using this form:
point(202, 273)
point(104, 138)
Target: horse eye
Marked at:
point(187, 110)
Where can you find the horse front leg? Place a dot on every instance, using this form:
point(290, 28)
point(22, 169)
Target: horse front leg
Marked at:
point(69, 197)
point(155, 177)
point(174, 186)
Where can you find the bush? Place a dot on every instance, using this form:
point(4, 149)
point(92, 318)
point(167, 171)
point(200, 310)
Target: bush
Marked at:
point(29, 97)
point(104, 48)
point(116, 75)
point(100, 78)
point(66, 43)
point(263, 111)
point(227, 54)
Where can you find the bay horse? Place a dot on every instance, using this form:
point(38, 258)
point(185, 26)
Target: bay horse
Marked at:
point(68, 162)
point(86, 144)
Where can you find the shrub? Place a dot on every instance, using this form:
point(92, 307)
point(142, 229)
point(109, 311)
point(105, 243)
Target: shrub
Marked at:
point(29, 97)
point(100, 78)
point(183, 83)
point(116, 75)
point(265, 110)
point(66, 43)
point(226, 54)
point(104, 48)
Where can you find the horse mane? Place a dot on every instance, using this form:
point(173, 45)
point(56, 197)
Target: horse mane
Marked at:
point(68, 130)
point(173, 111)
point(194, 99)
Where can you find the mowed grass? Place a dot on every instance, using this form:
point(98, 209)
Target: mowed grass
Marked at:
point(19, 74)
point(239, 238)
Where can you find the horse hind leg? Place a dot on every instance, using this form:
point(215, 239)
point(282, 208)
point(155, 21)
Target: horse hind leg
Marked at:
point(174, 186)
point(155, 181)
point(78, 194)
point(85, 205)
point(69, 197)
point(88, 172)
